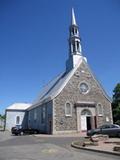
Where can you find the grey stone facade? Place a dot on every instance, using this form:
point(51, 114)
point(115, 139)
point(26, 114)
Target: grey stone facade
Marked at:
point(71, 93)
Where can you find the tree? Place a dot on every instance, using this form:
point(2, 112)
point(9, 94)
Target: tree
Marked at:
point(2, 116)
point(116, 104)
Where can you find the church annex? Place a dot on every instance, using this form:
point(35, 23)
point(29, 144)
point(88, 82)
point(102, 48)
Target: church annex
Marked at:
point(74, 101)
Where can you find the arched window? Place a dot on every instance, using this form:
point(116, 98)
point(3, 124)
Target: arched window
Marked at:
point(86, 112)
point(68, 109)
point(74, 47)
point(100, 109)
point(76, 30)
point(18, 120)
point(72, 31)
point(78, 46)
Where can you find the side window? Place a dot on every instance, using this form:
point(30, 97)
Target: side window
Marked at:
point(35, 114)
point(73, 47)
point(78, 46)
point(114, 126)
point(106, 126)
point(29, 116)
point(100, 109)
point(68, 109)
point(18, 120)
point(76, 30)
point(72, 31)
point(43, 115)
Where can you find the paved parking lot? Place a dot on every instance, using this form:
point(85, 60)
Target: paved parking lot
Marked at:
point(5, 136)
point(44, 148)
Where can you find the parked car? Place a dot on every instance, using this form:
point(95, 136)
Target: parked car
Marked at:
point(18, 130)
point(113, 130)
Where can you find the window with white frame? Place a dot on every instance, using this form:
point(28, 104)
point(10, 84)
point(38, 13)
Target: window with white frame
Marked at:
point(68, 109)
point(43, 114)
point(35, 114)
point(100, 109)
point(17, 119)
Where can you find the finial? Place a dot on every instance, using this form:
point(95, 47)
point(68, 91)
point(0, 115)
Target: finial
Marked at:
point(73, 17)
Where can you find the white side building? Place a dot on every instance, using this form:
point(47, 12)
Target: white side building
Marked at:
point(16, 115)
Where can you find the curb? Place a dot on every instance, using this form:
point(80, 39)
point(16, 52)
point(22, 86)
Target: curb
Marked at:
point(95, 150)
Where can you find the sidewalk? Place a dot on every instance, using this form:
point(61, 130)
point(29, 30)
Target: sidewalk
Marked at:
point(103, 146)
point(61, 135)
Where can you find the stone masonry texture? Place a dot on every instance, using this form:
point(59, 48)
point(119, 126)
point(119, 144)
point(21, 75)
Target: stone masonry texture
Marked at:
point(71, 93)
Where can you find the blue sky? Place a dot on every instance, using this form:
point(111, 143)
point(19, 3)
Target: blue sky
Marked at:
point(34, 43)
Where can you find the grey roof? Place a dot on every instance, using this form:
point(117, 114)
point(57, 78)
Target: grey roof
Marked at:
point(19, 106)
point(55, 86)
point(52, 89)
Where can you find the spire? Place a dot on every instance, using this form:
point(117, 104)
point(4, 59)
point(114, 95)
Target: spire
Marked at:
point(74, 38)
point(73, 17)
point(75, 49)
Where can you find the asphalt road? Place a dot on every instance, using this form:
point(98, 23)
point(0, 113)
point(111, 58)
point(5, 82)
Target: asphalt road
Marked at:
point(47, 148)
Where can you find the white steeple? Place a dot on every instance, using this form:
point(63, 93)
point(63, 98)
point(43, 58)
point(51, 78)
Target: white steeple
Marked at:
point(73, 18)
point(75, 49)
point(74, 38)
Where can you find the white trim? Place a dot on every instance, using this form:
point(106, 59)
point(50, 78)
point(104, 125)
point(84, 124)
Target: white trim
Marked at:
point(85, 102)
point(78, 119)
point(68, 115)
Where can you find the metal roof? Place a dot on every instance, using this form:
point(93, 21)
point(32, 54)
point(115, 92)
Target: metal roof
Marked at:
point(19, 106)
point(51, 90)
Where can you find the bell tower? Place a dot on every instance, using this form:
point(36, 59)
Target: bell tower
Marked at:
point(74, 38)
point(75, 49)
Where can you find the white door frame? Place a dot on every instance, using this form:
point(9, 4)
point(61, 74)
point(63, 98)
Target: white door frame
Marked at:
point(83, 123)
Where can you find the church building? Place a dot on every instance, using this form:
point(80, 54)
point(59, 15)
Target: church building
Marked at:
point(74, 101)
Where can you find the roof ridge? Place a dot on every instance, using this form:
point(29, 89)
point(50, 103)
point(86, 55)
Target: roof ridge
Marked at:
point(52, 86)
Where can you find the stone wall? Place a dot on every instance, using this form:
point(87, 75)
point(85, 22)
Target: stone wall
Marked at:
point(71, 93)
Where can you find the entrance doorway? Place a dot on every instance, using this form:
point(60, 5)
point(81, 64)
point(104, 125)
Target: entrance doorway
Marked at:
point(86, 120)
